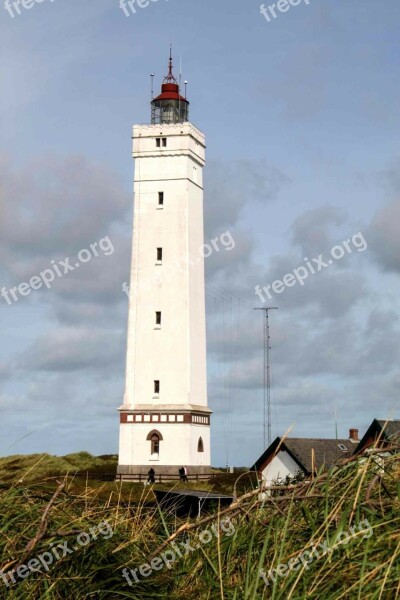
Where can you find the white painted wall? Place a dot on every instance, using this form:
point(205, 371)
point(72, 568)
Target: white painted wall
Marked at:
point(178, 447)
point(174, 354)
point(281, 465)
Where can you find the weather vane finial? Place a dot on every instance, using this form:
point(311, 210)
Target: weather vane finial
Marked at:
point(170, 77)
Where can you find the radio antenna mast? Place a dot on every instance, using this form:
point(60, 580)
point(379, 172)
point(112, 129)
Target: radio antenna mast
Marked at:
point(267, 378)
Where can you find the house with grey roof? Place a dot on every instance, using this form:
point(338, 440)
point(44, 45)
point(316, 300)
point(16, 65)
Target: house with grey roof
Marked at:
point(288, 458)
point(381, 434)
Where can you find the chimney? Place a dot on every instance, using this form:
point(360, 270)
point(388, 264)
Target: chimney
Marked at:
point(353, 435)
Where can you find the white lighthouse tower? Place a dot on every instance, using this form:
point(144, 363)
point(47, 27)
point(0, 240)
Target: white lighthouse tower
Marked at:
point(165, 420)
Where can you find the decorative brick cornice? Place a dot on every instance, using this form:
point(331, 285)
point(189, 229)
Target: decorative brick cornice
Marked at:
point(164, 418)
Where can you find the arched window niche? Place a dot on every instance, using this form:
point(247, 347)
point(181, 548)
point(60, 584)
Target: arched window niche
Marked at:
point(154, 437)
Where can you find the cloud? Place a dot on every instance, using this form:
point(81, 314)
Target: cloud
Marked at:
point(312, 231)
point(328, 335)
point(55, 205)
point(5, 371)
point(75, 349)
point(384, 237)
point(229, 187)
point(299, 88)
point(53, 208)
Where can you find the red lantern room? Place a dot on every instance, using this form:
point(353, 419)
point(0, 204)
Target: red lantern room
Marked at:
point(169, 106)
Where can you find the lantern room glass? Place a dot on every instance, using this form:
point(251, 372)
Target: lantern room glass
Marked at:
point(169, 111)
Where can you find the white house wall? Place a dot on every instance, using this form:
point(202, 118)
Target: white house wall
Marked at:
point(280, 467)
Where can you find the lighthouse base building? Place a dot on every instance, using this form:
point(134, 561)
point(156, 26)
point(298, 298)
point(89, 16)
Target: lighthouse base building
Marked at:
point(165, 419)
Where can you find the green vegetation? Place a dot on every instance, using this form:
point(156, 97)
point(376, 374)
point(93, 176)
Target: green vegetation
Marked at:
point(35, 467)
point(266, 532)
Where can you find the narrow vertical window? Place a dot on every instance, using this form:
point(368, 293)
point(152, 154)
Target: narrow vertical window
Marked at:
point(154, 437)
point(158, 142)
point(160, 198)
point(156, 386)
point(200, 445)
point(159, 255)
point(164, 142)
point(158, 317)
point(155, 444)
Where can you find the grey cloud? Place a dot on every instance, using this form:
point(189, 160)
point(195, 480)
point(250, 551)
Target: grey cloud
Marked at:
point(74, 349)
point(230, 186)
point(299, 89)
point(4, 371)
point(384, 237)
point(51, 210)
point(55, 206)
point(312, 231)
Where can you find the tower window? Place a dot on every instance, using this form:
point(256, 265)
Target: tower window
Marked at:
point(160, 198)
point(156, 386)
point(158, 142)
point(158, 317)
point(155, 444)
point(164, 142)
point(159, 255)
point(200, 445)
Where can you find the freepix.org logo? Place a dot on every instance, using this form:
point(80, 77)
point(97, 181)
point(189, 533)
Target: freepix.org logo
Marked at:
point(56, 551)
point(170, 556)
point(225, 240)
point(316, 552)
point(301, 273)
point(47, 276)
point(13, 7)
point(282, 6)
point(130, 6)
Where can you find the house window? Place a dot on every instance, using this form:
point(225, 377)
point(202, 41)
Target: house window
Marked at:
point(158, 142)
point(160, 198)
point(156, 386)
point(158, 317)
point(200, 445)
point(159, 255)
point(164, 142)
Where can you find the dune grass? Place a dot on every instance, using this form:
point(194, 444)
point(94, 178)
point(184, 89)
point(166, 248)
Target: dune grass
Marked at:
point(33, 467)
point(262, 533)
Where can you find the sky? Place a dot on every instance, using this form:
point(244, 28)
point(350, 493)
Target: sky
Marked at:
point(301, 119)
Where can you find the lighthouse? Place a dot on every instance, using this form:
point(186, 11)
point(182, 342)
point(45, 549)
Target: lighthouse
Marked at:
point(164, 418)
